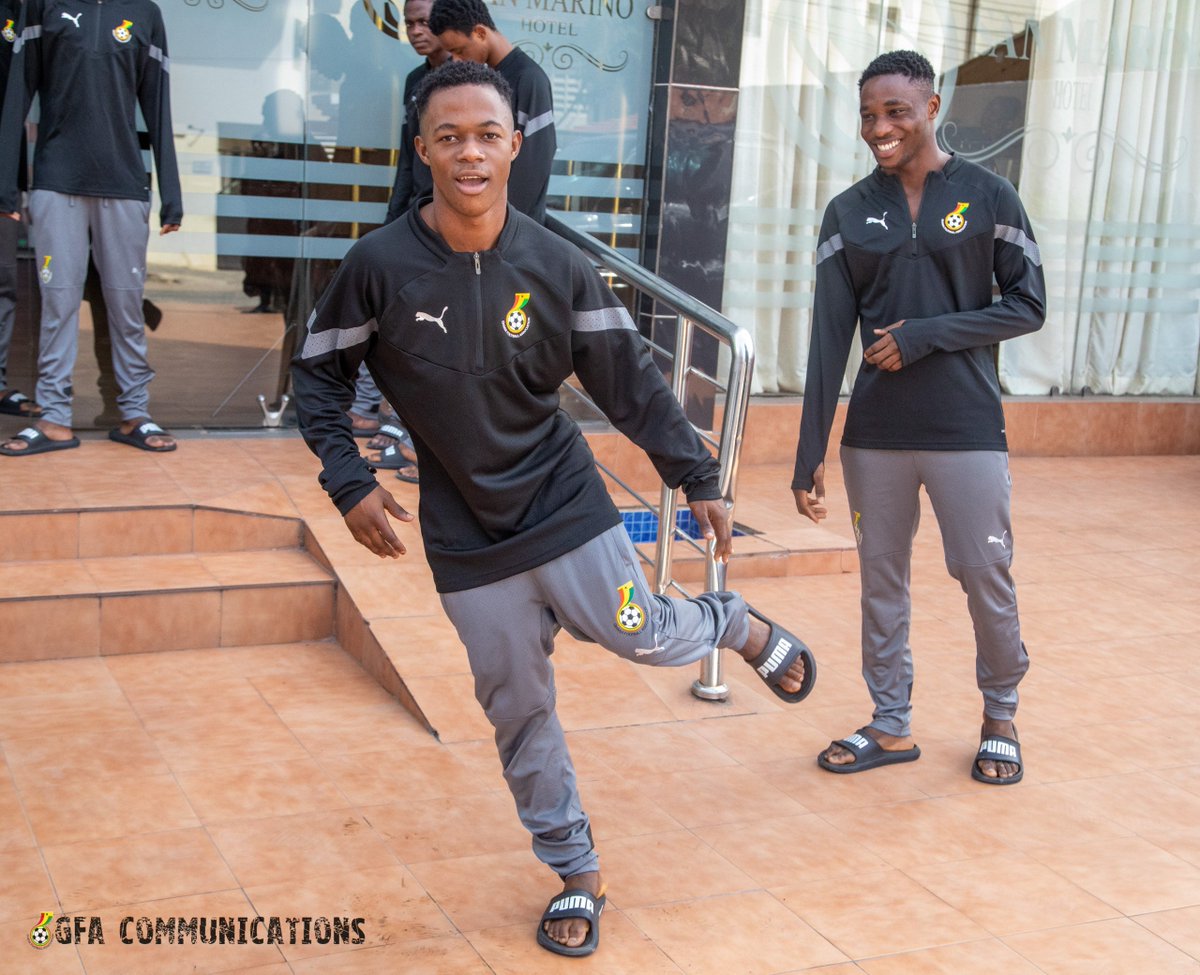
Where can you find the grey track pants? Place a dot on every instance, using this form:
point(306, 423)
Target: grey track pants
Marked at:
point(119, 231)
point(969, 491)
point(9, 231)
point(596, 593)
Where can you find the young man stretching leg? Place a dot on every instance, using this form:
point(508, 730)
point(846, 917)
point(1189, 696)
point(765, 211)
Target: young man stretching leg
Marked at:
point(470, 315)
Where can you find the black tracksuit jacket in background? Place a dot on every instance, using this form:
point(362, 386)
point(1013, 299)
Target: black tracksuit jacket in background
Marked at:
point(92, 64)
point(875, 266)
point(471, 349)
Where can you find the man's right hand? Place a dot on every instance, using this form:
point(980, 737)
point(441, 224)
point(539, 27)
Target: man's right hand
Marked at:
point(369, 525)
point(15, 215)
point(812, 506)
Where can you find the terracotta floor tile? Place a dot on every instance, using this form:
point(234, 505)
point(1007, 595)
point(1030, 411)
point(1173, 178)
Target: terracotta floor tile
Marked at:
point(149, 622)
point(1141, 802)
point(654, 750)
point(525, 887)
point(79, 807)
point(131, 869)
point(15, 831)
point(436, 956)
point(1183, 843)
point(259, 791)
point(278, 614)
point(970, 958)
point(171, 949)
point(450, 828)
point(1180, 928)
point(881, 912)
point(52, 677)
point(777, 852)
point(926, 831)
point(149, 572)
point(605, 697)
point(26, 890)
point(292, 848)
point(257, 567)
point(76, 630)
point(391, 904)
point(1010, 893)
point(820, 791)
point(1133, 875)
point(661, 868)
point(758, 935)
point(58, 578)
point(65, 713)
point(137, 531)
point(1115, 947)
point(618, 806)
point(752, 738)
point(57, 959)
point(341, 724)
point(624, 950)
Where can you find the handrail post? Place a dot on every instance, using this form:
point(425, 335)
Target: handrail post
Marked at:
point(710, 686)
point(666, 505)
point(689, 313)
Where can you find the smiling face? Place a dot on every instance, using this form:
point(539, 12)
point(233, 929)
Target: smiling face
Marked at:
point(469, 142)
point(897, 118)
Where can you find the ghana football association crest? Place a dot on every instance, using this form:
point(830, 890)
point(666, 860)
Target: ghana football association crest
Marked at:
point(45, 272)
point(121, 31)
point(630, 616)
point(954, 222)
point(516, 321)
point(8, 33)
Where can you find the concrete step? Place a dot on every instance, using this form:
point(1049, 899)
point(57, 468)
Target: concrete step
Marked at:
point(81, 583)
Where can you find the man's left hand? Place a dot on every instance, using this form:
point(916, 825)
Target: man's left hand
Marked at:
point(885, 353)
point(168, 228)
point(713, 519)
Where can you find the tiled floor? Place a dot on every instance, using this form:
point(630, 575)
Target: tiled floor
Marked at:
point(283, 782)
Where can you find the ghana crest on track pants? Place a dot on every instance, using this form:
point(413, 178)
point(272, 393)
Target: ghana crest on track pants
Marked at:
point(598, 594)
point(119, 231)
point(969, 490)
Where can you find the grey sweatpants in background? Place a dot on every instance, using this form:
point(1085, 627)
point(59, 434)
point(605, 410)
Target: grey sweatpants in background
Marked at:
point(597, 593)
point(119, 230)
point(969, 490)
point(9, 231)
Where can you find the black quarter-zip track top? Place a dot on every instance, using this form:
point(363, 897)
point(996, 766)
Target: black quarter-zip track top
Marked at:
point(471, 349)
point(877, 266)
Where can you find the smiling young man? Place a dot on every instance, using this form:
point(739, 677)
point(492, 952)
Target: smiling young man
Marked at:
point(470, 315)
point(908, 257)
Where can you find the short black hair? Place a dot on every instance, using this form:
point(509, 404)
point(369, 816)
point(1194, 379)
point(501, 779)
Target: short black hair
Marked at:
point(911, 64)
point(454, 74)
point(460, 15)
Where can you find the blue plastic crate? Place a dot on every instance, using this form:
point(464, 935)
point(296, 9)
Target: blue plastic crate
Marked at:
point(642, 525)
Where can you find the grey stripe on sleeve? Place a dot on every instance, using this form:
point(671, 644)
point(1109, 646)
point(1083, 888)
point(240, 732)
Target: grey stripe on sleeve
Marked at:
point(602, 319)
point(31, 33)
point(1015, 235)
point(539, 122)
point(322, 343)
point(829, 248)
point(156, 53)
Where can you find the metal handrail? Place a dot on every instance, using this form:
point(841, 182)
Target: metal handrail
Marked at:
point(690, 315)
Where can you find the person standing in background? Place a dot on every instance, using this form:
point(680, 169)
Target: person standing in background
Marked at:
point(92, 67)
point(12, 401)
point(908, 257)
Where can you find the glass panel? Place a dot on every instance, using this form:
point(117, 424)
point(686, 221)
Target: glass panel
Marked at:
point(287, 117)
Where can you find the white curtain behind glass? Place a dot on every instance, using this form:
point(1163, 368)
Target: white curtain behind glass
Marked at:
point(1108, 176)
